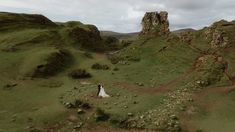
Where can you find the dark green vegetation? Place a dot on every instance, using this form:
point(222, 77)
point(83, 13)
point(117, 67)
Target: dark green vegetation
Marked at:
point(50, 72)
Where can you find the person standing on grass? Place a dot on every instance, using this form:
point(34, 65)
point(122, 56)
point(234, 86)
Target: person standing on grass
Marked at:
point(101, 93)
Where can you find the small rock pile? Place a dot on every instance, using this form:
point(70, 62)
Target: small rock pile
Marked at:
point(166, 116)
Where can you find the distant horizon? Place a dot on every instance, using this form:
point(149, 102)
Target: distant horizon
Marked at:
point(124, 16)
point(117, 31)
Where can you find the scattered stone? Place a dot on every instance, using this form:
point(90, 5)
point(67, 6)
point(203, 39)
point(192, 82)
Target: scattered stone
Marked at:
point(84, 83)
point(139, 84)
point(69, 105)
point(174, 117)
point(80, 111)
point(72, 118)
point(142, 116)
point(130, 114)
point(190, 100)
point(78, 126)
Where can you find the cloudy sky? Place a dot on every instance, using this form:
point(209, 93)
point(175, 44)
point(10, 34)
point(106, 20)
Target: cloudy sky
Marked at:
point(126, 15)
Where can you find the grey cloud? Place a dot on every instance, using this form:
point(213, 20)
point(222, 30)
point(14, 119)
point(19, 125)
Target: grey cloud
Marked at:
point(126, 15)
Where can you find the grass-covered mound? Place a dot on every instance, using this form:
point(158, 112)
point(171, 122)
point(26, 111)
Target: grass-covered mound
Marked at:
point(79, 73)
point(18, 30)
point(13, 21)
point(45, 63)
point(82, 36)
point(28, 39)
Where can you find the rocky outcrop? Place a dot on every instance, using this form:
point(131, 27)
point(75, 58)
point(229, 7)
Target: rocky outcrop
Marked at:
point(218, 39)
point(186, 37)
point(217, 35)
point(155, 24)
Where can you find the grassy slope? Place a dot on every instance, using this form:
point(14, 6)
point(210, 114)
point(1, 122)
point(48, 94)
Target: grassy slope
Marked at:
point(215, 111)
point(121, 36)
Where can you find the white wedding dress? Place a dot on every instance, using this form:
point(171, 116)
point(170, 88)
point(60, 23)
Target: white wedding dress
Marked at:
point(102, 93)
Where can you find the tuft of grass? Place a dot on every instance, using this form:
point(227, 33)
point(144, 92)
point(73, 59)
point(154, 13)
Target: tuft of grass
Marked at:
point(98, 66)
point(101, 115)
point(79, 73)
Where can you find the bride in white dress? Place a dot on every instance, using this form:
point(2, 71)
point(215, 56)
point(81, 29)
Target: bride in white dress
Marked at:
point(101, 92)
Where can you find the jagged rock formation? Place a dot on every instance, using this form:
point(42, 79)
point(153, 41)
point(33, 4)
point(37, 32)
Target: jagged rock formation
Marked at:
point(155, 24)
point(217, 35)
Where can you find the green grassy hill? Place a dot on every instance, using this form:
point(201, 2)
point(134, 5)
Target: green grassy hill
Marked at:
point(122, 36)
point(50, 72)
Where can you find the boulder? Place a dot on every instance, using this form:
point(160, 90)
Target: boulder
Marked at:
point(80, 111)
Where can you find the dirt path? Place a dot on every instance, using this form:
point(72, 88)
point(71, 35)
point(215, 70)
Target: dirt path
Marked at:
point(221, 90)
point(100, 55)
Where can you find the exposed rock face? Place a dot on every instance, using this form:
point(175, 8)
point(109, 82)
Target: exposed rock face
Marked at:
point(217, 38)
point(186, 37)
point(216, 34)
point(155, 24)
